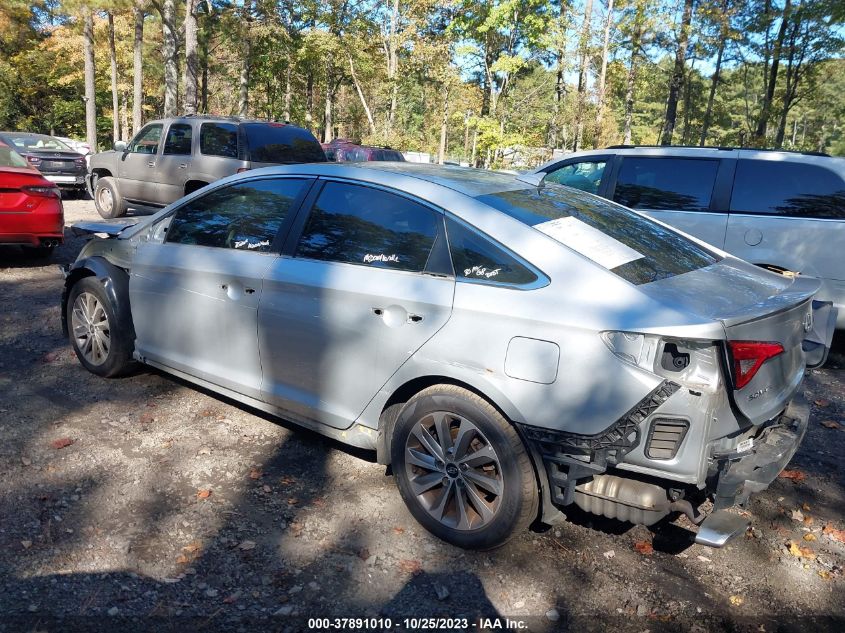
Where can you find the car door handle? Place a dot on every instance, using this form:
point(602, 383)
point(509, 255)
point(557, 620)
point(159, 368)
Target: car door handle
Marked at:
point(414, 318)
point(183, 166)
point(151, 164)
point(378, 311)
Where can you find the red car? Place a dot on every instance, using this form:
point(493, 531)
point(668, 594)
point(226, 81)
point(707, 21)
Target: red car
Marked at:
point(342, 151)
point(31, 212)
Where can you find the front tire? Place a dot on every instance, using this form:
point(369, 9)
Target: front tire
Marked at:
point(107, 198)
point(101, 343)
point(462, 469)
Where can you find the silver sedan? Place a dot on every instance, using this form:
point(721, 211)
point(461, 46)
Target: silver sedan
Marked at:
point(509, 348)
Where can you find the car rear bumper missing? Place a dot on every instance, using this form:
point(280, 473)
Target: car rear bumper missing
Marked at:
point(742, 474)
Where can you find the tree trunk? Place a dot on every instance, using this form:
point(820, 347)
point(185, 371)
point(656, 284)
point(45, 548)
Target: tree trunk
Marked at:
point(138, 69)
point(793, 67)
point(441, 153)
point(90, 88)
point(243, 82)
point(288, 89)
point(687, 102)
point(124, 116)
point(678, 76)
point(583, 47)
point(309, 100)
point(204, 63)
point(191, 58)
point(632, 78)
point(171, 77)
point(327, 113)
point(361, 96)
point(603, 75)
point(488, 81)
point(115, 100)
point(714, 82)
point(393, 65)
point(766, 108)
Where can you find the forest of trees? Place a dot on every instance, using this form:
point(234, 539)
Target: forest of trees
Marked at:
point(469, 80)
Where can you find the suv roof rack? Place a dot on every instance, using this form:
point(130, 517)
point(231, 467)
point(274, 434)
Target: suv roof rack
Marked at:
point(236, 119)
point(720, 147)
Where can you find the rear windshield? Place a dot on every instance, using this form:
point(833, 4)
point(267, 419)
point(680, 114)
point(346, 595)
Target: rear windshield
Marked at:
point(37, 142)
point(630, 245)
point(282, 144)
point(10, 158)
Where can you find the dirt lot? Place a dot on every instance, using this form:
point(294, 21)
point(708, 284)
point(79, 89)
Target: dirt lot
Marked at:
point(143, 503)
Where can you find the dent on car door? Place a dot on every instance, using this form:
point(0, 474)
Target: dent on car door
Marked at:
point(367, 284)
point(195, 294)
point(677, 191)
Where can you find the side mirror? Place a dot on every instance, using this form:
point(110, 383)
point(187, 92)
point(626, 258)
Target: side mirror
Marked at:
point(120, 146)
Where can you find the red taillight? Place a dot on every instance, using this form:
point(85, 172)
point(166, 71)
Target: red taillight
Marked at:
point(43, 192)
point(33, 160)
point(241, 170)
point(748, 357)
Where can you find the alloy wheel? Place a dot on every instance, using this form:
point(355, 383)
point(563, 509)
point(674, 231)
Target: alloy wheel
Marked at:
point(454, 471)
point(90, 325)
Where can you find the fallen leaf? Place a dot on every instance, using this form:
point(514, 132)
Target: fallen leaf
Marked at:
point(703, 559)
point(62, 442)
point(292, 501)
point(609, 554)
point(203, 494)
point(807, 553)
point(398, 530)
point(831, 424)
point(644, 547)
point(247, 545)
point(821, 402)
point(363, 553)
point(805, 507)
point(192, 548)
point(26, 544)
point(801, 552)
point(255, 473)
point(831, 532)
point(287, 480)
point(824, 574)
point(319, 502)
point(736, 600)
point(797, 515)
point(410, 566)
point(267, 488)
point(50, 357)
point(26, 461)
point(146, 418)
point(808, 520)
point(207, 413)
point(810, 537)
point(795, 475)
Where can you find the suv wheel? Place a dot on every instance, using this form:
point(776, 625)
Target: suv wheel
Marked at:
point(462, 469)
point(107, 198)
point(101, 343)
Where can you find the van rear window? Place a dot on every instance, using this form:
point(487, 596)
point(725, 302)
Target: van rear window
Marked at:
point(623, 241)
point(282, 144)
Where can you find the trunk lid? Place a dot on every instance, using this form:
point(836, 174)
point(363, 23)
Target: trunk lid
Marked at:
point(13, 199)
point(753, 305)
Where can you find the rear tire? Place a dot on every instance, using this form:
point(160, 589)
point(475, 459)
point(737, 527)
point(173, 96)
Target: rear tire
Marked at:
point(462, 469)
point(107, 198)
point(101, 342)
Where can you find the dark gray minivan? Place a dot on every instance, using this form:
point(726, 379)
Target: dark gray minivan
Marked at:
point(170, 158)
point(784, 211)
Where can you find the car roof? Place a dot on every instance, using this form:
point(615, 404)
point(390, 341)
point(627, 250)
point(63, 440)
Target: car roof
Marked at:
point(466, 180)
point(705, 152)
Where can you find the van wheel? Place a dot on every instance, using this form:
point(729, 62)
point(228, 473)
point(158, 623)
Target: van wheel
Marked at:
point(107, 198)
point(462, 469)
point(101, 343)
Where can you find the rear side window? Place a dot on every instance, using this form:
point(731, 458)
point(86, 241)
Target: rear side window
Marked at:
point(282, 144)
point(632, 246)
point(219, 139)
point(676, 184)
point(178, 141)
point(787, 188)
point(361, 225)
point(477, 258)
point(246, 216)
point(585, 176)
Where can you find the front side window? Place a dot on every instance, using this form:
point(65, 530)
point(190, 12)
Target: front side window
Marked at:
point(630, 245)
point(356, 224)
point(477, 258)
point(245, 216)
point(585, 176)
point(787, 188)
point(178, 141)
point(673, 184)
point(219, 139)
point(147, 140)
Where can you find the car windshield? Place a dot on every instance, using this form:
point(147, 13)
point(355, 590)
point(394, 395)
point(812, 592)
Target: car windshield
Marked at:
point(37, 142)
point(623, 241)
point(10, 158)
point(282, 144)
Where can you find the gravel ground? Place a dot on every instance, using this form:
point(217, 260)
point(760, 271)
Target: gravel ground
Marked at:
point(144, 502)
